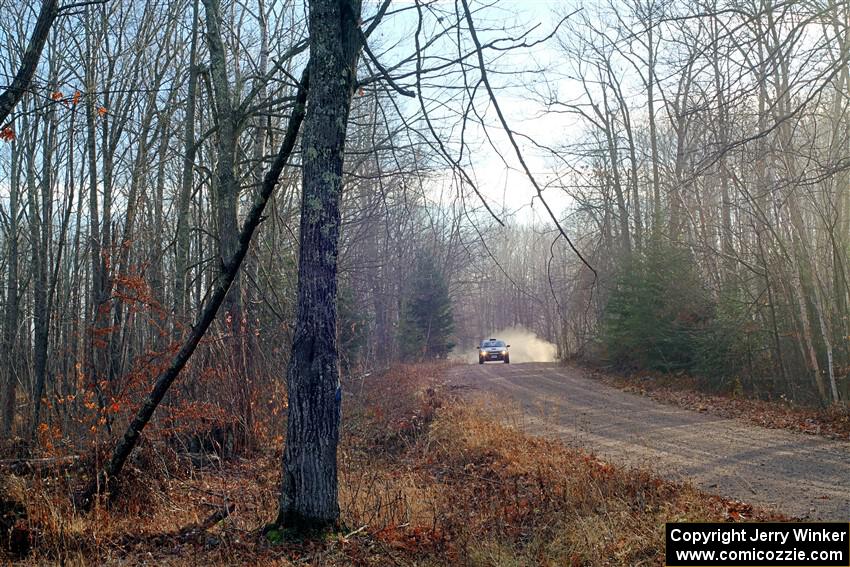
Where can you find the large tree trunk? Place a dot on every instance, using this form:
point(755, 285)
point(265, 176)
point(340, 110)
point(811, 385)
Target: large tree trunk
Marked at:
point(309, 493)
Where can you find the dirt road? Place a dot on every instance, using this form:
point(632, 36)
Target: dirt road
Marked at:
point(796, 474)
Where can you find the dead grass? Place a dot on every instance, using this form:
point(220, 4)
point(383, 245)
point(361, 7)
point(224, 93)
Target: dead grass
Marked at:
point(425, 480)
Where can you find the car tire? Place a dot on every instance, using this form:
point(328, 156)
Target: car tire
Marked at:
point(480, 360)
point(507, 360)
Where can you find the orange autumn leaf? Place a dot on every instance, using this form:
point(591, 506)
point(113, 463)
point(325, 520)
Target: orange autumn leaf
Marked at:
point(77, 96)
point(56, 95)
point(7, 134)
point(101, 111)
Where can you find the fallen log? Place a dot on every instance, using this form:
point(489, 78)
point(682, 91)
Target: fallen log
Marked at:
point(192, 531)
point(29, 466)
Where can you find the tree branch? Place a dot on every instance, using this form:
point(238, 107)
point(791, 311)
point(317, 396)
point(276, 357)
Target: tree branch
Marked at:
point(13, 94)
point(106, 479)
point(510, 134)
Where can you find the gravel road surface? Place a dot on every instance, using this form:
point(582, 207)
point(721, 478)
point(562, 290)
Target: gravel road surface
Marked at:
point(800, 475)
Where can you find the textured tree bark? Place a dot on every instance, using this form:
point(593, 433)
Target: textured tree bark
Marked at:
point(308, 497)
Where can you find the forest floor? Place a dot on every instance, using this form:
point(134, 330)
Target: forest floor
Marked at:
point(426, 478)
point(719, 449)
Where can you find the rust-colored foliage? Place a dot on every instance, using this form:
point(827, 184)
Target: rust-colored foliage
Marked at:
point(425, 479)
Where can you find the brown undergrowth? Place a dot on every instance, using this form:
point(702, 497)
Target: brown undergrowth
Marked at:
point(684, 391)
point(425, 479)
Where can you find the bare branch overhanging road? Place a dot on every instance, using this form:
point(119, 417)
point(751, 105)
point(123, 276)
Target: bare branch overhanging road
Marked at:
point(797, 474)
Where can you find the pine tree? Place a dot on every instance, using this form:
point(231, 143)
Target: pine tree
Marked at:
point(427, 321)
point(352, 326)
point(657, 311)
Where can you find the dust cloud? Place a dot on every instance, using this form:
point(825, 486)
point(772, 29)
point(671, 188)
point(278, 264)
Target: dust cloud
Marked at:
point(525, 347)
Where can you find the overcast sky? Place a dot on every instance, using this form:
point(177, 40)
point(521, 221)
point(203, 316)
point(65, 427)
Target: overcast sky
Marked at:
point(516, 75)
